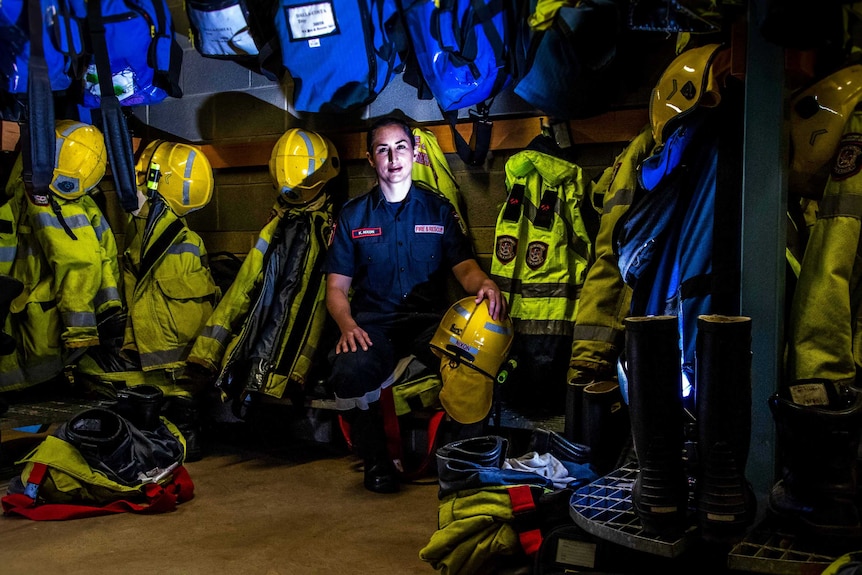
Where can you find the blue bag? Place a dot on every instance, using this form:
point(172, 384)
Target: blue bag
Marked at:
point(62, 40)
point(238, 30)
point(571, 63)
point(145, 58)
point(463, 48)
point(340, 53)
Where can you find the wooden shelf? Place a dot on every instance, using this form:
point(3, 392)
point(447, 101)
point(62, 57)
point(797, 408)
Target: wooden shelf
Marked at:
point(507, 134)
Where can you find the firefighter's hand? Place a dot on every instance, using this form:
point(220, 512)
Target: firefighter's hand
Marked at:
point(496, 301)
point(351, 339)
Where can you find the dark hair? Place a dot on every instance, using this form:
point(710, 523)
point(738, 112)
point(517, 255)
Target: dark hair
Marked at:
point(382, 123)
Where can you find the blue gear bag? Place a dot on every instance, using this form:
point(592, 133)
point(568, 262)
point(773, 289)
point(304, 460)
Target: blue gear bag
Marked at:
point(144, 56)
point(463, 48)
point(62, 39)
point(340, 53)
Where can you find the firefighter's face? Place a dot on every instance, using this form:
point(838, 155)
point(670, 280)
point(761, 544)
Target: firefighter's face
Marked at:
point(392, 154)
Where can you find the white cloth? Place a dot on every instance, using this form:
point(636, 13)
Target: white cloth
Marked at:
point(543, 464)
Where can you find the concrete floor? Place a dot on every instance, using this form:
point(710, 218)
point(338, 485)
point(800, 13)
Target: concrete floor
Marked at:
point(295, 512)
point(274, 499)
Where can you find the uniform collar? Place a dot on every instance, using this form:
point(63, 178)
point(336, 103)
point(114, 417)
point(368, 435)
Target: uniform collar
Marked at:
point(378, 200)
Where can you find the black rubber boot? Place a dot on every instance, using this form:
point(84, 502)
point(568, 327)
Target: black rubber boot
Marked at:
point(574, 408)
point(185, 414)
point(605, 424)
point(10, 288)
point(817, 449)
point(141, 405)
point(724, 499)
point(369, 438)
point(660, 492)
point(547, 441)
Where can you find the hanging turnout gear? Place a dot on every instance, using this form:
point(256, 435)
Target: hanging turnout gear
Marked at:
point(165, 274)
point(823, 324)
point(605, 299)
point(432, 170)
point(817, 410)
point(10, 288)
point(263, 335)
point(542, 249)
point(542, 252)
point(66, 257)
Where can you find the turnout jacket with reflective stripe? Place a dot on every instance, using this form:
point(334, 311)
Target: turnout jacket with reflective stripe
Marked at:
point(171, 297)
point(264, 333)
point(542, 249)
point(605, 298)
point(65, 254)
point(824, 340)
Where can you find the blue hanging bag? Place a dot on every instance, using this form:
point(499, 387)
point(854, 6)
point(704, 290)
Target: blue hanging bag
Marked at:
point(62, 42)
point(340, 53)
point(144, 56)
point(464, 48)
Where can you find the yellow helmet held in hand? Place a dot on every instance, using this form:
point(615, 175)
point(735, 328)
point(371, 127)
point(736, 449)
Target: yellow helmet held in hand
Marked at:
point(467, 333)
point(818, 115)
point(180, 173)
point(688, 82)
point(301, 163)
point(80, 159)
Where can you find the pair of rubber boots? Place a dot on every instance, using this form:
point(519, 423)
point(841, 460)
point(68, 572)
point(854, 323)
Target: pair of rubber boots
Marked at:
point(724, 502)
point(143, 406)
point(10, 288)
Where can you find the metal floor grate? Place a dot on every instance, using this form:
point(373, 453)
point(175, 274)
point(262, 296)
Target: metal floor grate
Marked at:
point(766, 550)
point(604, 509)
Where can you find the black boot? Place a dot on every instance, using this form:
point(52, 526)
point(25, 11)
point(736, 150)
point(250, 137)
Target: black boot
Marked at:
point(185, 414)
point(817, 447)
point(369, 439)
point(547, 441)
point(141, 405)
point(660, 492)
point(10, 288)
point(605, 424)
point(574, 407)
point(724, 499)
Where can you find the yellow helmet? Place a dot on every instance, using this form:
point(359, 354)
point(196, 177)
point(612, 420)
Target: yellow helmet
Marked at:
point(301, 163)
point(686, 83)
point(180, 173)
point(817, 118)
point(467, 333)
point(80, 159)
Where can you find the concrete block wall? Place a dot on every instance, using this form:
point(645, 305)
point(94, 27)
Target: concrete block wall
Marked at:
point(242, 199)
point(224, 102)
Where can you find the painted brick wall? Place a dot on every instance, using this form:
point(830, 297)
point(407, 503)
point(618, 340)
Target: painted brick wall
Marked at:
point(243, 197)
point(225, 102)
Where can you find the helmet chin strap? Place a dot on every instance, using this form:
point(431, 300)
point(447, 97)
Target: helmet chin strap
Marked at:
point(158, 207)
point(55, 206)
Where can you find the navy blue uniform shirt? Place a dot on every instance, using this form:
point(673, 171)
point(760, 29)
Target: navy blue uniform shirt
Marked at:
point(399, 255)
